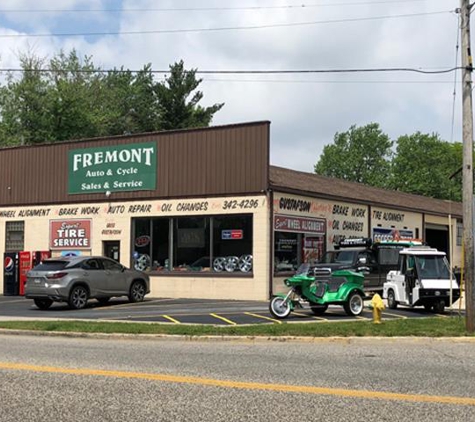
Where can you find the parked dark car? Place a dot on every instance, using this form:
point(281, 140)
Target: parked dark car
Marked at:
point(75, 280)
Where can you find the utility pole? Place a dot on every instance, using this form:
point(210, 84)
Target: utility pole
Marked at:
point(467, 172)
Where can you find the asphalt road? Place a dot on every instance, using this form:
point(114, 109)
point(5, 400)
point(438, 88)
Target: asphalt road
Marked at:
point(88, 379)
point(190, 311)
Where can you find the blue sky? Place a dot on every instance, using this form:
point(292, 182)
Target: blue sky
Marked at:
point(306, 110)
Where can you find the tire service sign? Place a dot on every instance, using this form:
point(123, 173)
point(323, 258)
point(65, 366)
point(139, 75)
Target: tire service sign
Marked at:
point(112, 169)
point(65, 234)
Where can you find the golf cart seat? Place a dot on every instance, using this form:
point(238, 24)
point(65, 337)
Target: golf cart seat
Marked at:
point(335, 283)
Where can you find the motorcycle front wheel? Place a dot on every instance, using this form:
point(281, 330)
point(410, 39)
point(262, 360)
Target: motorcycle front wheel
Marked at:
point(279, 308)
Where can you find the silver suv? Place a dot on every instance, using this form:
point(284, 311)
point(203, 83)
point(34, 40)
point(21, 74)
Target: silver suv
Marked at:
point(76, 279)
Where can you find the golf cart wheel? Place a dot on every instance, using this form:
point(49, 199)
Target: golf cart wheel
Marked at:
point(43, 303)
point(279, 308)
point(392, 303)
point(354, 305)
point(439, 307)
point(318, 309)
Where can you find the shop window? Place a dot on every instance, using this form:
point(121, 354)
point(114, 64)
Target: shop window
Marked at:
point(232, 243)
point(14, 235)
point(293, 249)
point(160, 244)
point(197, 244)
point(142, 244)
point(287, 251)
point(191, 243)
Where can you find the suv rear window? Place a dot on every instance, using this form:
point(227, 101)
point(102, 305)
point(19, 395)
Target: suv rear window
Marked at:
point(51, 266)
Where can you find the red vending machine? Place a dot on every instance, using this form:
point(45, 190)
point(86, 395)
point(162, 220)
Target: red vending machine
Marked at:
point(24, 265)
point(39, 256)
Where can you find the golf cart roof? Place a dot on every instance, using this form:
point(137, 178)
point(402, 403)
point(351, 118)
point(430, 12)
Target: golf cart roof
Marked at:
point(421, 250)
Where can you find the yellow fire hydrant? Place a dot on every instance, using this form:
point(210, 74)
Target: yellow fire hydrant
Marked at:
point(378, 306)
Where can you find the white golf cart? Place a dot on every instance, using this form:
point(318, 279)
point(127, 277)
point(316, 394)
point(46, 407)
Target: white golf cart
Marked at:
point(423, 278)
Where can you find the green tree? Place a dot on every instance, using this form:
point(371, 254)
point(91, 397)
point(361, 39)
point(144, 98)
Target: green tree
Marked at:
point(362, 154)
point(24, 118)
point(177, 110)
point(75, 99)
point(423, 165)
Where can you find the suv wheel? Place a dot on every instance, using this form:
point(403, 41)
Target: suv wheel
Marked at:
point(43, 303)
point(78, 297)
point(137, 292)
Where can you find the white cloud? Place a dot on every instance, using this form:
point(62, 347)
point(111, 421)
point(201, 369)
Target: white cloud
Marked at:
point(304, 116)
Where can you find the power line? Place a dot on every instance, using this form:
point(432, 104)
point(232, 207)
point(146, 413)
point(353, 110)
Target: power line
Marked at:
point(193, 9)
point(230, 28)
point(246, 72)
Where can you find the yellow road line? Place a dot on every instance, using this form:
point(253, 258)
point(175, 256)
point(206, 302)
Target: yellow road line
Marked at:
point(263, 317)
point(210, 382)
point(395, 315)
point(171, 319)
point(310, 316)
point(224, 319)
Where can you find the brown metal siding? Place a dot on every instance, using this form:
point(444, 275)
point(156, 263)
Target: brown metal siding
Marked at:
point(222, 160)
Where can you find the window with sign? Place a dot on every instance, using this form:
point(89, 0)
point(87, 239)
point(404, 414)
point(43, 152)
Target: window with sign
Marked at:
point(142, 244)
point(297, 240)
point(287, 254)
point(220, 244)
point(232, 243)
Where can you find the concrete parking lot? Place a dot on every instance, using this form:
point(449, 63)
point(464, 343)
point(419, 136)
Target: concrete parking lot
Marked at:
point(193, 311)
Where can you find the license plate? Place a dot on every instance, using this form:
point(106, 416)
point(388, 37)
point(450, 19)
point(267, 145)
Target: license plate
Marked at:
point(38, 280)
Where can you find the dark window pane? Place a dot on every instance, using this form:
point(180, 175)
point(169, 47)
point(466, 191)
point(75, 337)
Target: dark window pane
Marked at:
point(286, 249)
point(191, 242)
point(161, 244)
point(142, 244)
point(232, 243)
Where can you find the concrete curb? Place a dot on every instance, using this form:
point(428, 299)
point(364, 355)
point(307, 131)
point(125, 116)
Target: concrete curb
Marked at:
point(246, 339)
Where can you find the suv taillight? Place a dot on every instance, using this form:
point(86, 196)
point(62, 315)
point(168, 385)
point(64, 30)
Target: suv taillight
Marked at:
point(55, 276)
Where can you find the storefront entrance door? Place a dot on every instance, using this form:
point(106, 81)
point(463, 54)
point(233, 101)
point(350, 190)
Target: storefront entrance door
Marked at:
point(111, 249)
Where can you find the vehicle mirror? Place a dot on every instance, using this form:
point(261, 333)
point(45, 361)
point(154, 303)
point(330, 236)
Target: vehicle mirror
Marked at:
point(122, 268)
point(362, 260)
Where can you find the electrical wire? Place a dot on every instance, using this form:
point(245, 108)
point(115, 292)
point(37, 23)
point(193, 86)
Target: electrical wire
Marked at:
point(248, 72)
point(193, 9)
point(230, 28)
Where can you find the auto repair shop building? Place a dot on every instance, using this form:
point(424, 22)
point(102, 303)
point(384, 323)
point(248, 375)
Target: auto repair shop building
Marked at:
point(201, 210)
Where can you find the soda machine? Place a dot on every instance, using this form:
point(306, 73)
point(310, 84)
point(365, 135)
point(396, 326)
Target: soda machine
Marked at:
point(10, 274)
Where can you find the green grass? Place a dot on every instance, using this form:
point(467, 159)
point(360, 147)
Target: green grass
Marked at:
point(428, 327)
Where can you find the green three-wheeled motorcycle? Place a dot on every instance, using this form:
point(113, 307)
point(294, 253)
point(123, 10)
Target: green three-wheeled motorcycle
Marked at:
point(319, 288)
